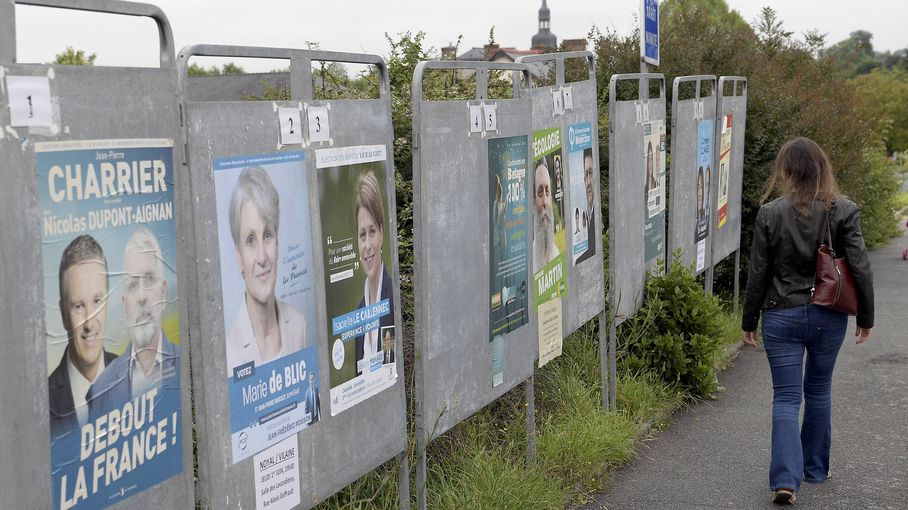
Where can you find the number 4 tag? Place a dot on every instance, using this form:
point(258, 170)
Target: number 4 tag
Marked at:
point(476, 123)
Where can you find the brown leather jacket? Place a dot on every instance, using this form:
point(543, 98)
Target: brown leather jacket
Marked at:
point(783, 257)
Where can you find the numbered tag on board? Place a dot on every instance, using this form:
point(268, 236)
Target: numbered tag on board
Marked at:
point(568, 97)
point(318, 124)
point(476, 122)
point(490, 116)
point(557, 102)
point(291, 128)
point(29, 101)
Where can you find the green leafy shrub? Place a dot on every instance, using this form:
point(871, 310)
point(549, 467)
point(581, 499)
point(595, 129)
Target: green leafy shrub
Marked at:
point(677, 334)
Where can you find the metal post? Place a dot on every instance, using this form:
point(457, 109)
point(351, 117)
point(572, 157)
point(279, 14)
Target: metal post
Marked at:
point(420, 467)
point(7, 31)
point(403, 481)
point(612, 363)
point(737, 278)
point(708, 286)
point(531, 419)
point(604, 360)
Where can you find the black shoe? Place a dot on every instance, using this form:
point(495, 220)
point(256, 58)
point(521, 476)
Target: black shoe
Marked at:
point(784, 497)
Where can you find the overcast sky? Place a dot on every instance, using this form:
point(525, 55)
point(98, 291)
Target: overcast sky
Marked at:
point(360, 25)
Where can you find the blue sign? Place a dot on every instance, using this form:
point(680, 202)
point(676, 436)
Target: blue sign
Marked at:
point(649, 42)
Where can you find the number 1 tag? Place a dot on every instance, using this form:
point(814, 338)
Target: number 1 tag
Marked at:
point(291, 129)
point(476, 122)
point(318, 124)
point(29, 101)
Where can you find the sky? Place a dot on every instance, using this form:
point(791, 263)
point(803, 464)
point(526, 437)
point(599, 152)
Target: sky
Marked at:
point(360, 25)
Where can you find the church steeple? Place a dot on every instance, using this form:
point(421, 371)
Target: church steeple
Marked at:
point(544, 38)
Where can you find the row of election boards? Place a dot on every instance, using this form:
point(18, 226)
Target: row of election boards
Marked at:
point(204, 294)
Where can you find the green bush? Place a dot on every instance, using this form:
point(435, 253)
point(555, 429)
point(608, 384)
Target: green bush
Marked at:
point(677, 334)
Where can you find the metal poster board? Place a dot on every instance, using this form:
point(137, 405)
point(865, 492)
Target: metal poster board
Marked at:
point(473, 292)
point(299, 388)
point(95, 379)
point(572, 109)
point(731, 119)
point(693, 122)
point(636, 191)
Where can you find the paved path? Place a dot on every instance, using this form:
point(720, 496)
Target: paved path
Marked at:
point(716, 454)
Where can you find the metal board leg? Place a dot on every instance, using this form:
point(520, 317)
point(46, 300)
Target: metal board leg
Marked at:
point(403, 481)
point(530, 392)
point(737, 279)
point(604, 360)
point(613, 364)
point(420, 468)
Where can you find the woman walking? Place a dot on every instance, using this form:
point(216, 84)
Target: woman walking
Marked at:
point(780, 284)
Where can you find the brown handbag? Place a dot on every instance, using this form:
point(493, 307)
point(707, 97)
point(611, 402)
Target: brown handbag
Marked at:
point(834, 286)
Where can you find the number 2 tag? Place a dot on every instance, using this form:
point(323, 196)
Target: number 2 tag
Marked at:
point(291, 130)
point(318, 124)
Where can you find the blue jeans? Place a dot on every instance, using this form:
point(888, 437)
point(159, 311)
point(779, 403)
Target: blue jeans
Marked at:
point(787, 333)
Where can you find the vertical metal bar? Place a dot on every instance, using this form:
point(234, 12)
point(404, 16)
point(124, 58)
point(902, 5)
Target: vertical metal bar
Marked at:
point(737, 279)
point(7, 31)
point(604, 360)
point(420, 468)
point(612, 363)
point(482, 83)
point(403, 480)
point(530, 391)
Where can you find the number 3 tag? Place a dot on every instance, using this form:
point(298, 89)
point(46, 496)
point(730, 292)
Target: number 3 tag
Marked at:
point(318, 124)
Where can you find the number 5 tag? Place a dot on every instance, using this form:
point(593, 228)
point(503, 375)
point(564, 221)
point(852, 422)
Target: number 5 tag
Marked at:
point(490, 116)
point(318, 124)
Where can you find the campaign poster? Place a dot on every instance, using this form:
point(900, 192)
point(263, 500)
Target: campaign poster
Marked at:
point(654, 159)
point(108, 241)
point(268, 291)
point(359, 269)
point(724, 169)
point(549, 244)
point(582, 219)
point(508, 219)
point(704, 162)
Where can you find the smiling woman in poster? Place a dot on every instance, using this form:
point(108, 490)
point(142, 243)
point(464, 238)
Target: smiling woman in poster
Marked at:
point(264, 329)
point(369, 216)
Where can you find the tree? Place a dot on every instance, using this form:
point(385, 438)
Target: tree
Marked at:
point(75, 57)
point(884, 100)
point(228, 68)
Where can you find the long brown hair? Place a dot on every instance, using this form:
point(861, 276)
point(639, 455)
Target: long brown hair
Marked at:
point(803, 170)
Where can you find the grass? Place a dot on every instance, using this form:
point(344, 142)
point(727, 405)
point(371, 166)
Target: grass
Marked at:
point(481, 462)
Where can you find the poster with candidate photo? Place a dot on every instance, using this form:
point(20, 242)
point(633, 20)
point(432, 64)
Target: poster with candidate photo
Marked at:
point(549, 244)
point(704, 162)
point(108, 241)
point(267, 286)
point(359, 268)
point(508, 254)
point(654, 162)
point(582, 221)
point(724, 169)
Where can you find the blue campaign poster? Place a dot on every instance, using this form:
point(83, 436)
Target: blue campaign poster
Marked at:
point(267, 284)
point(108, 237)
point(582, 217)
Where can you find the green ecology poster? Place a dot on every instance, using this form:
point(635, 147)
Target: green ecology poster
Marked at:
point(549, 242)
